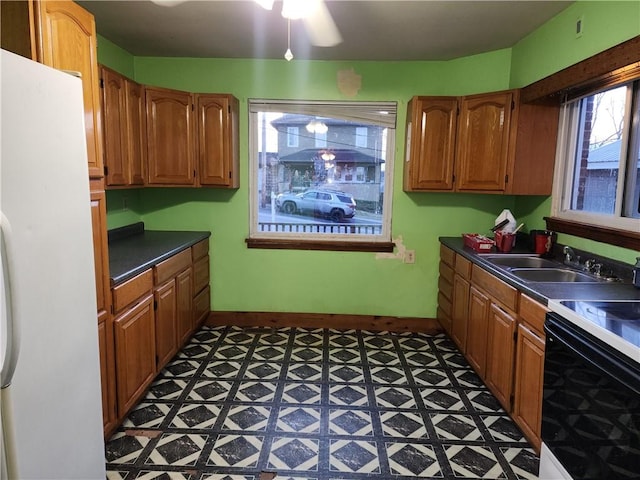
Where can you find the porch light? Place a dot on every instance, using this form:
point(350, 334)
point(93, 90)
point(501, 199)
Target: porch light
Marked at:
point(316, 126)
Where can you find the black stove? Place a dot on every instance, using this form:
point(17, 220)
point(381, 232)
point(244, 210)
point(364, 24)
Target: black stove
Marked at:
point(615, 322)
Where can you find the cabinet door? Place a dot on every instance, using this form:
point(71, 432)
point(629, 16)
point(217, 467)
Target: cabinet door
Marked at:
point(217, 142)
point(483, 142)
point(135, 353)
point(115, 126)
point(166, 323)
point(184, 302)
point(460, 312)
point(100, 248)
point(501, 348)
point(136, 128)
point(68, 42)
point(107, 373)
point(170, 147)
point(477, 330)
point(431, 144)
point(529, 371)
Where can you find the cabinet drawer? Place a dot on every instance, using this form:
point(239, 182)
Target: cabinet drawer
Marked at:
point(447, 255)
point(445, 287)
point(201, 305)
point(444, 304)
point(131, 290)
point(171, 266)
point(497, 289)
point(532, 313)
point(463, 267)
point(199, 250)
point(446, 272)
point(200, 274)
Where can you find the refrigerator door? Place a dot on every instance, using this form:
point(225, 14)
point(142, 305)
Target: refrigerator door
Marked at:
point(55, 400)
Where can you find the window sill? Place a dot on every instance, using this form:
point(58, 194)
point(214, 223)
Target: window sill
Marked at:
point(320, 245)
point(612, 236)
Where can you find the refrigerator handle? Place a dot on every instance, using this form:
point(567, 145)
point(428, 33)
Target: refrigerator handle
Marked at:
point(12, 348)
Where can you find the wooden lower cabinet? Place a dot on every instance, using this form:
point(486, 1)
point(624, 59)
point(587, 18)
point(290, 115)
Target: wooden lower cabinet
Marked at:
point(460, 312)
point(477, 330)
point(201, 306)
point(501, 333)
point(107, 373)
point(184, 299)
point(529, 372)
point(135, 352)
point(166, 322)
point(501, 348)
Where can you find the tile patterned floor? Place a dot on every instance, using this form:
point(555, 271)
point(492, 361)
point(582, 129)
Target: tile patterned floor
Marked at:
point(318, 404)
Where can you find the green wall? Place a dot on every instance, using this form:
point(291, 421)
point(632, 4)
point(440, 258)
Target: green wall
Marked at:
point(343, 282)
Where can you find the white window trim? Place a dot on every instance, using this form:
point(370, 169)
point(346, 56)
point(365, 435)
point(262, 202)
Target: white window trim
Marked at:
point(310, 107)
point(563, 177)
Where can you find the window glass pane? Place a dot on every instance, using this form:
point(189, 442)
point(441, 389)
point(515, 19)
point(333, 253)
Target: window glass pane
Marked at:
point(329, 181)
point(598, 151)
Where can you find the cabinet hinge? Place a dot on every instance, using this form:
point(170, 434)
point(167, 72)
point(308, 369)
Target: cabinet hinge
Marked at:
point(113, 310)
point(193, 107)
point(513, 105)
point(101, 83)
point(229, 174)
point(194, 173)
point(106, 171)
point(453, 179)
point(155, 305)
point(512, 400)
point(515, 336)
point(229, 108)
point(506, 179)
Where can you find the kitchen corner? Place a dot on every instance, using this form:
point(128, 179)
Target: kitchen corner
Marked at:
point(132, 249)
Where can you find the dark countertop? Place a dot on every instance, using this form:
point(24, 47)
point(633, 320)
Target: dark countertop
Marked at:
point(543, 292)
point(134, 250)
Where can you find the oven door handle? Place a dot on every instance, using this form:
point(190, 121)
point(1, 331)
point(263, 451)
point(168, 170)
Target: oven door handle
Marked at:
point(593, 351)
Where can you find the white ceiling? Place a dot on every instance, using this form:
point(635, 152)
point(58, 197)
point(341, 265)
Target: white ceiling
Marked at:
point(372, 30)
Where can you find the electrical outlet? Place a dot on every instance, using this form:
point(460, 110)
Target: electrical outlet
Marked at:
point(410, 256)
point(579, 26)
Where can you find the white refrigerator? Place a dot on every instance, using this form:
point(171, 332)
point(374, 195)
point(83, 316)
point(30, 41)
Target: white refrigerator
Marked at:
point(51, 413)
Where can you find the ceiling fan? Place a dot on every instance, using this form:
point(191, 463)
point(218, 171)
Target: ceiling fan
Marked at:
point(317, 19)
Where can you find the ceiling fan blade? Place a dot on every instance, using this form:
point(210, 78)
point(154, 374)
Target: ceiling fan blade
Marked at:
point(321, 28)
point(168, 3)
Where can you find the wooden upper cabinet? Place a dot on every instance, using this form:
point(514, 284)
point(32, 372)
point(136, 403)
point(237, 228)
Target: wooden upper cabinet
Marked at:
point(124, 115)
point(136, 128)
point(114, 126)
point(497, 145)
point(67, 41)
point(431, 139)
point(170, 137)
point(217, 127)
point(483, 142)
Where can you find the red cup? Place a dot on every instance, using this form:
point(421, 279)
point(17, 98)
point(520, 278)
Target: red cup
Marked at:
point(504, 241)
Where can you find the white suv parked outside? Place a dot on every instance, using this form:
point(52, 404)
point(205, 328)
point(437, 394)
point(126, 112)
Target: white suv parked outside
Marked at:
point(332, 204)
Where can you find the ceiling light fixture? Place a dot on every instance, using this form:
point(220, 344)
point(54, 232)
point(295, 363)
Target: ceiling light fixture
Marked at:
point(295, 9)
point(288, 55)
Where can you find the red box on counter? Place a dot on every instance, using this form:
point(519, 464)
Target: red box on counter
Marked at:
point(477, 242)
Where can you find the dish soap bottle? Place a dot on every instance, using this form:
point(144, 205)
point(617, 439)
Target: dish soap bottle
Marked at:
point(636, 273)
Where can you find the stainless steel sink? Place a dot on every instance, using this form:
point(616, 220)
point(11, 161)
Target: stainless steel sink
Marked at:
point(552, 275)
point(522, 262)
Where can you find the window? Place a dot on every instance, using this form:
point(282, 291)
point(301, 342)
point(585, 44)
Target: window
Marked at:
point(598, 163)
point(321, 139)
point(361, 137)
point(326, 188)
point(292, 136)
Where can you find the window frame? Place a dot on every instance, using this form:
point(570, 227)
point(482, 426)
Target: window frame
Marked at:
point(307, 241)
point(565, 166)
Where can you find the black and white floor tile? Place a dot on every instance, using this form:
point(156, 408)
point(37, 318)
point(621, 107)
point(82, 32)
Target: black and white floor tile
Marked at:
point(313, 404)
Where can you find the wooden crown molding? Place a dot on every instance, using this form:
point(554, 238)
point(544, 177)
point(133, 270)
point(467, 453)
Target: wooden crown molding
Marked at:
point(614, 65)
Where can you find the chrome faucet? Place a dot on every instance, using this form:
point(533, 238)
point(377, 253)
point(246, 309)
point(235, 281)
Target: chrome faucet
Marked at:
point(570, 257)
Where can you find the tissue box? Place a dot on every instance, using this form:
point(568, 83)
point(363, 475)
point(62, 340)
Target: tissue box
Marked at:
point(477, 242)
